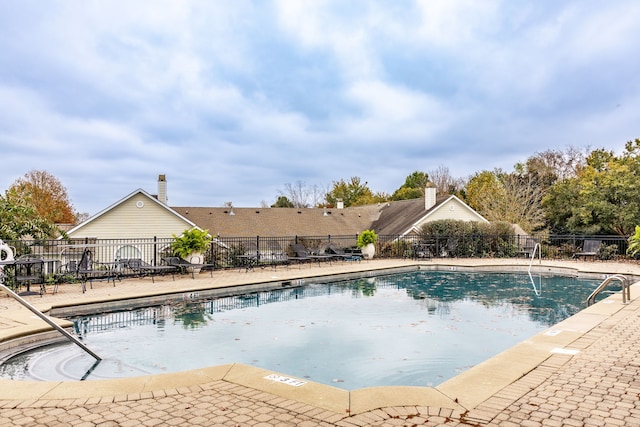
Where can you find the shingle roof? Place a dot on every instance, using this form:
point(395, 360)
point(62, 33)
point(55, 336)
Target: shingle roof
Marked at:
point(391, 218)
point(271, 222)
point(398, 217)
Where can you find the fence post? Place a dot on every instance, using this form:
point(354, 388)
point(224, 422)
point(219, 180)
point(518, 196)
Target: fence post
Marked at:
point(155, 250)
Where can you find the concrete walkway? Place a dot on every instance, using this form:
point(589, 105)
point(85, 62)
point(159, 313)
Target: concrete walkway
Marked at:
point(581, 372)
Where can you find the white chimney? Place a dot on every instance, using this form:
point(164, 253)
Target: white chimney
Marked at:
point(339, 204)
point(162, 189)
point(429, 196)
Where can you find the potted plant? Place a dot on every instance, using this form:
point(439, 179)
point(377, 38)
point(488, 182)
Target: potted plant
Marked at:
point(190, 244)
point(633, 250)
point(366, 243)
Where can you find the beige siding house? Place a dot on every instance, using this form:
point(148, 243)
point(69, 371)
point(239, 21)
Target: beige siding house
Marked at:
point(137, 216)
point(405, 217)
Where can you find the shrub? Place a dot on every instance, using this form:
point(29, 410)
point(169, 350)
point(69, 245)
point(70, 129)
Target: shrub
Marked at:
point(190, 241)
point(366, 237)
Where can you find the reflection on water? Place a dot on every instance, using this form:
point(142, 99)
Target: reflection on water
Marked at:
point(417, 328)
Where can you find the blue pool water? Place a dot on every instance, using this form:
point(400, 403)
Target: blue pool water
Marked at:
point(419, 328)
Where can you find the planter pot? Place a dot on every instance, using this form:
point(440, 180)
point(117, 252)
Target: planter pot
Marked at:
point(368, 251)
point(195, 258)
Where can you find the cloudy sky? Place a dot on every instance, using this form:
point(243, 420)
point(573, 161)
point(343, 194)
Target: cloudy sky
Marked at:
point(232, 100)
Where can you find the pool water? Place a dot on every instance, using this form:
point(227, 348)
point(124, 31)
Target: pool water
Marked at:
point(417, 329)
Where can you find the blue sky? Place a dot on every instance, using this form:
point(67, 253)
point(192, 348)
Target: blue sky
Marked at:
point(233, 100)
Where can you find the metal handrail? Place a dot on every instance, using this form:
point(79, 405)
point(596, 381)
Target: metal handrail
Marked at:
point(626, 289)
point(536, 247)
point(48, 321)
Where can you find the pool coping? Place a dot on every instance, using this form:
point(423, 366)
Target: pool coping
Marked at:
point(463, 392)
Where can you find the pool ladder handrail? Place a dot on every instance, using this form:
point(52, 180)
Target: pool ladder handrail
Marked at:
point(49, 321)
point(626, 289)
point(536, 247)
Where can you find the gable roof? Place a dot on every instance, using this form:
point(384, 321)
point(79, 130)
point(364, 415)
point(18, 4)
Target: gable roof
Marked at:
point(137, 192)
point(272, 222)
point(392, 219)
point(404, 216)
point(399, 216)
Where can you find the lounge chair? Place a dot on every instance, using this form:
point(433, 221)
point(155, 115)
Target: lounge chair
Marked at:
point(338, 253)
point(304, 254)
point(185, 266)
point(142, 268)
point(590, 249)
point(273, 255)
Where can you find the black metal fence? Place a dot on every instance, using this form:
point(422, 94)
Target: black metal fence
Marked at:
point(228, 252)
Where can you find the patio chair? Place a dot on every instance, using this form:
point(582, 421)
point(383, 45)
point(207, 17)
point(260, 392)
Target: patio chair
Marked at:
point(526, 247)
point(423, 249)
point(300, 255)
point(590, 249)
point(273, 255)
point(339, 253)
point(193, 266)
point(88, 270)
point(305, 254)
point(143, 269)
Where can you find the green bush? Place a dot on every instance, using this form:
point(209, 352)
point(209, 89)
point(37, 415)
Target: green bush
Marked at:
point(190, 241)
point(456, 238)
point(366, 237)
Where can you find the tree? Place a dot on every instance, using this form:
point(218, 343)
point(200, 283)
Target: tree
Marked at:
point(283, 202)
point(413, 186)
point(553, 165)
point(443, 180)
point(20, 220)
point(46, 194)
point(484, 193)
point(514, 197)
point(601, 198)
point(302, 196)
point(352, 193)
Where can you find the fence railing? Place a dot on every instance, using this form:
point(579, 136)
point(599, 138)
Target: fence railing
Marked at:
point(224, 251)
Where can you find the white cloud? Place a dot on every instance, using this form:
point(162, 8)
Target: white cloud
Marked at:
point(233, 100)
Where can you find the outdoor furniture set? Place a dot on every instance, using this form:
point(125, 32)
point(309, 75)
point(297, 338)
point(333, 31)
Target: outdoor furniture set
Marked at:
point(300, 255)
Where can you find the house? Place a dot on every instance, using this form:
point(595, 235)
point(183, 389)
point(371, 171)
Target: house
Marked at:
point(137, 216)
point(130, 223)
point(141, 215)
point(406, 217)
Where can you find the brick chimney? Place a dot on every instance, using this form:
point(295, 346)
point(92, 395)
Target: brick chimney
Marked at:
point(429, 196)
point(162, 189)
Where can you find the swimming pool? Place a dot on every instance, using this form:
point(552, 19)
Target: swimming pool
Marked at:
point(419, 328)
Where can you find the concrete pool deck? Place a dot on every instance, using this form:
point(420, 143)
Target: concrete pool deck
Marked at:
point(582, 371)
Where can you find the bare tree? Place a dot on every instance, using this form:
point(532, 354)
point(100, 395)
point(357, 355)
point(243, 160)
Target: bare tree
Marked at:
point(298, 193)
point(555, 165)
point(510, 197)
point(318, 195)
point(522, 203)
point(443, 180)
